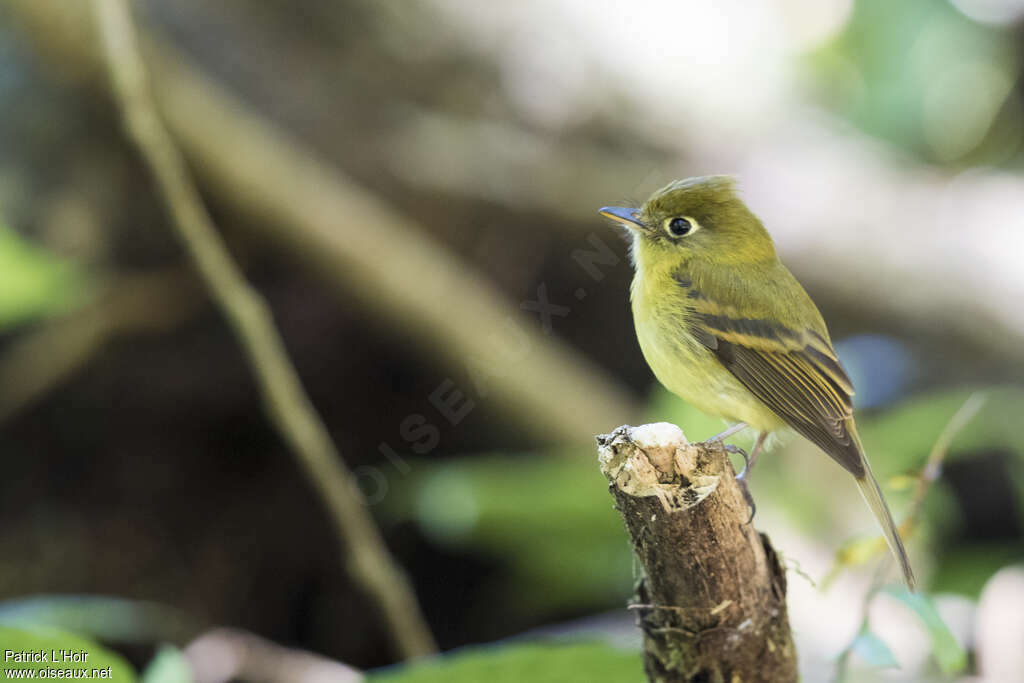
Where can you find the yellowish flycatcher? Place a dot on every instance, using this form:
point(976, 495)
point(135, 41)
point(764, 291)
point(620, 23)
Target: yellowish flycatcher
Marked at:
point(725, 326)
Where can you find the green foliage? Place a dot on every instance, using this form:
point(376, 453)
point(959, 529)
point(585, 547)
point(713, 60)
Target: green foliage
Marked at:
point(33, 282)
point(548, 516)
point(920, 74)
point(168, 666)
point(80, 622)
point(947, 651)
point(50, 640)
point(100, 617)
point(873, 650)
point(900, 439)
point(534, 662)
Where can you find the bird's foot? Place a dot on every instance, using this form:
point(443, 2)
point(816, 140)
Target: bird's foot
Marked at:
point(736, 450)
point(741, 478)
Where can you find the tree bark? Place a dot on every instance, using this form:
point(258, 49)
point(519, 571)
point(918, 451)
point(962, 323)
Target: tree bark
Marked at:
point(711, 600)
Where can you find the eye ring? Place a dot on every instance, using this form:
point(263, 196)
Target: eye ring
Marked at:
point(681, 226)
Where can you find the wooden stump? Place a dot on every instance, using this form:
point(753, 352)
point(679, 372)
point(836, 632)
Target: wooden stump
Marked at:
point(712, 598)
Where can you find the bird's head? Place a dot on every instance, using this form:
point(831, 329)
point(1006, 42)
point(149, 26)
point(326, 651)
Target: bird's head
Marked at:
point(696, 218)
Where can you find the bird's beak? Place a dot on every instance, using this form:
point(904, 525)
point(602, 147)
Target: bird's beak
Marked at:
point(628, 217)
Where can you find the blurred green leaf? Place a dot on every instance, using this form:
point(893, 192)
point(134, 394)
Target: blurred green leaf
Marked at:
point(922, 75)
point(873, 650)
point(549, 517)
point(534, 662)
point(101, 617)
point(48, 641)
point(168, 666)
point(951, 657)
point(33, 282)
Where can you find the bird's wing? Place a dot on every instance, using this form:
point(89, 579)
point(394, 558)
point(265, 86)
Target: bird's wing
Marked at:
point(794, 371)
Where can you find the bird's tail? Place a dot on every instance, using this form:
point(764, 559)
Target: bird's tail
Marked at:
point(869, 488)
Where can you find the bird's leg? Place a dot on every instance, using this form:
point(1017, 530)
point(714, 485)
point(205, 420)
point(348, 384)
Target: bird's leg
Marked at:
point(748, 464)
point(752, 458)
point(738, 427)
point(748, 461)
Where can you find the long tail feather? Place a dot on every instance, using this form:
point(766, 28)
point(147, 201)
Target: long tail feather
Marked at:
point(869, 488)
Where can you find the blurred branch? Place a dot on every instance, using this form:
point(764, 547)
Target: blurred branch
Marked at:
point(355, 241)
point(522, 169)
point(712, 598)
point(933, 468)
point(37, 361)
point(287, 404)
point(223, 655)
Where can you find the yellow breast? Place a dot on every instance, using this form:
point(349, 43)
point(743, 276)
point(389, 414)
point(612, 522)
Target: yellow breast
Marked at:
point(681, 363)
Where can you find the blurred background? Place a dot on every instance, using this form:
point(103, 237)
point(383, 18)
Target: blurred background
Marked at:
point(413, 187)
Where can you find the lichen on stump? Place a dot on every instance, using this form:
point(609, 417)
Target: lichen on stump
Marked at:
point(711, 600)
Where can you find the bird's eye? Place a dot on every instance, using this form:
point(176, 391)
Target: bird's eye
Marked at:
point(680, 226)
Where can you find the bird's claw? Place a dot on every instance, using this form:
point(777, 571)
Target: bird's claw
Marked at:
point(736, 450)
point(741, 478)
